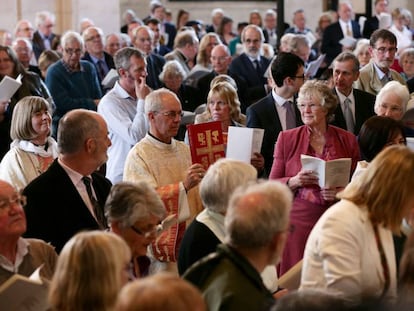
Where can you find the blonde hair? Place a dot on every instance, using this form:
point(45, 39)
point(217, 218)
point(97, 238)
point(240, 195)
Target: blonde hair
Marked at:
point(160, 292)
point(228, 93)
point(202, 57)
point(21, 125)
point(392, 168)
point(88, 274)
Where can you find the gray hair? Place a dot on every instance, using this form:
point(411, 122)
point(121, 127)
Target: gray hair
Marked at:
point(153, 101)
point(122, 58)
point(86, 34)
point(256, 213)
point(42, 16)
point(220, 181)
point(75, 127)
point(25, 40)
point(174, 68)
point(71, 36)
point(254, 27)
point(396, 88)
point(128, 203)
point(185, 37)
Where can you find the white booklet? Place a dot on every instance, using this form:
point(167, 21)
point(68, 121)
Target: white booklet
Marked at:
point(243, 142)
point(334, 173)
point(313, 66)
point(9, 86)
point(22, 293)
point(110, 79)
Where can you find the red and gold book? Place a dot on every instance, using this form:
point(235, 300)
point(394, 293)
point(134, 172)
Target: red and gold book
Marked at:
point(206, 142)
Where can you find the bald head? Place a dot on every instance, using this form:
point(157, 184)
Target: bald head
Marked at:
point(220, 59)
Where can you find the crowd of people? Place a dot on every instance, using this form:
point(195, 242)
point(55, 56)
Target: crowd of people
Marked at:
point(98, 187)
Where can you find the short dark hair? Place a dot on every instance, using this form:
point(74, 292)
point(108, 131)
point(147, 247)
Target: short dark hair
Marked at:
point(383, 34)
point(375, 133)
point(285, 65)
point(122, 58)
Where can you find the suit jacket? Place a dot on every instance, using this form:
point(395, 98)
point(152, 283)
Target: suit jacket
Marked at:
point(155, 63)
point(242, 66)
point(369, 81)
point(38, 45)
point(263, 114)
point(371, 24)
point(108, 60)
point(364, 109)
point(342, 254)
point(55, 210)
point(410, 85)
point(331, 37)
point(172, 32)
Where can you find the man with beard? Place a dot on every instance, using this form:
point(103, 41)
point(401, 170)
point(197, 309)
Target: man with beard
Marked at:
point(250, 65)
point(374, 75)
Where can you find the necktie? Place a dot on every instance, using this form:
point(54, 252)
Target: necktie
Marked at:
point(385, 79)
point(349, 119)
point(348, 31)
point(101, 69)
point(258, 68)
point(290, 115)
point(100, 217)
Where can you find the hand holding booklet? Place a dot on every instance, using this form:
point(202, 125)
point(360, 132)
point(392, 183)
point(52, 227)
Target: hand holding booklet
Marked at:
point(332, 174)
point(9, 86)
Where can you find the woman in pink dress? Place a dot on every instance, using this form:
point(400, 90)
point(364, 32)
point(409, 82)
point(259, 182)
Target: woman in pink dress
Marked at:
point(315, 138)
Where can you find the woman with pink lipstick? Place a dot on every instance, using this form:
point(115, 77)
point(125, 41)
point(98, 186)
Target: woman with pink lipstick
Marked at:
point(33, 149)
point(316, 138)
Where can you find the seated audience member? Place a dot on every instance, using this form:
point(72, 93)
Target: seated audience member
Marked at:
point(84, 24)
point(90, 272)
point(378, 72)
point(362, 52)
point(113, 43)
point(204, 63)
point(185, 49)
point(406, 62)
point(134, 212)
point(299, 26)
point(310, 300)
point(377, 133)
point(19, 255)
point(46, 59)
point(160, 292)
point(183, 16)
point(71, 182)
point(392, 102)
point(255, 18)
point(6, 37)
point(350, 251)
point(32, 150)
point(316, 138)
point(128, 16)
point(123, 109)
point(44, 37)
point(230, 278)
point(72, 82)
point(24, 52)
point(225, 30)
point(175, 180)
point(399, 29)
point(172, 76)
point(158, 48)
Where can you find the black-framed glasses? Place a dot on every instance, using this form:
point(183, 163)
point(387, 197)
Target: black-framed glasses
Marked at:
point(299, 77)
point(146, 234)
point(383, 50)
point(73, 51)
point(171, 114)
point(16, 199)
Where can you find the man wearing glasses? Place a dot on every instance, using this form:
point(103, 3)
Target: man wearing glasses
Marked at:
point(165, 164)
point(72, 82)
point(19, 255)
point(43, 37)
point(374, 75)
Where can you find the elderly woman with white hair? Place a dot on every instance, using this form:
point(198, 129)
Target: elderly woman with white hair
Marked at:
point(207, 229)
point(392, 101)
point(134, 212)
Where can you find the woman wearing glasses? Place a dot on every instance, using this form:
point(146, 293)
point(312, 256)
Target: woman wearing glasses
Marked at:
point(315, 138)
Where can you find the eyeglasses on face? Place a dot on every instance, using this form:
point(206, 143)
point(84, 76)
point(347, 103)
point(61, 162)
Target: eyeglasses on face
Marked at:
point(146, 234)
point(96, 37)
point(73, 51)
point(299, 77)
point(393, 108)
point(16, 199)
point(170, 114)
point(383, 50)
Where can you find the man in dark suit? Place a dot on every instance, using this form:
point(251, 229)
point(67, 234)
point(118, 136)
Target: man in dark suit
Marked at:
point(344, 27)
point(277, 111)
point(59, 202)
point(372, 23)
point(250, 65)
point(94, 53)
point(220, 61)
point(43, 37)
point(360, 104)
point(158, 48)
point(143, 38)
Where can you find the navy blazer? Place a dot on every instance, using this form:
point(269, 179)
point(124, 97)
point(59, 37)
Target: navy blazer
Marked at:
point(364, 109)
point(108, 60)
point(244, 68)
point(263, 114)
point(38, 44)
point(331, 37)
point(155, 63)
point(371, 24)
point(55, 210)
